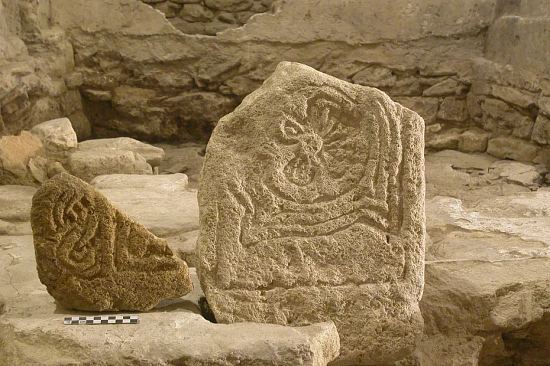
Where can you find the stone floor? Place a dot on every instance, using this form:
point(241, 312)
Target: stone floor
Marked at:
point(485, 299)
point(174, 333)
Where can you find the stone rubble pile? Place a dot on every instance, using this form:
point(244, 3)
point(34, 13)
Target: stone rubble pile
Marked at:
point(52, 147)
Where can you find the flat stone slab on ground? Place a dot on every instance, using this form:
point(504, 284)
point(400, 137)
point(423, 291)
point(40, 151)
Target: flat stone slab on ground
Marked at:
point(32, 330)
point(161, 203)
point(487, 260)
point(90, 163)
point(175, 338)
point(487, 257)
point(15, 202)
point(152, 154)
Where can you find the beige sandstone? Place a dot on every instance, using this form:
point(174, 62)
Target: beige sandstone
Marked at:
point(161, 203)
point(153, 155)
point(473, 140)
point(487, 256)
point(507, 147)
point(516, 172)
point(15, 154)
point(58, 136)
point(91, 256)
point(89, 163)
point(311, 203)
point(32, 330)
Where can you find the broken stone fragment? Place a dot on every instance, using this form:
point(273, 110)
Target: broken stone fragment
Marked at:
point(312, 208)
point(508, 147)
point(15, 154)
point(57, 135)
point(446, 87)
point(93, 257)
point(516, 172)
point(473, 140)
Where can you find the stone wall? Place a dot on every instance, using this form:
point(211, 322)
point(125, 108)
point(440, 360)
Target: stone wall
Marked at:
point(511, 90)
point(35, 57)
point(143, 77)
point(476, 70)
point(209, 16)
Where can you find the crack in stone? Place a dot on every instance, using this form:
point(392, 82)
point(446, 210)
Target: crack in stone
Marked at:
point(10, 281)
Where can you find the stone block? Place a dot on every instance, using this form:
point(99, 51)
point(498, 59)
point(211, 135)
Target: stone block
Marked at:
point(473, 140)
point(307, 214)
point(445, 140)
point(196, 13)
point(500, 117)
point(541, 130)
point(445, 88)
point(93, 257)
point(514, 96)
point(229, 5)
point(15, 153)
point(89, 163)
point(57, 135)
point(508, 147)
point(153, 155)
point(425, 107)
point(453, 109)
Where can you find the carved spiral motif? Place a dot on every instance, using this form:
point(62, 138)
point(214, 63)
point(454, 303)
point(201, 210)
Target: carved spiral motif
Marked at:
point(76, 227)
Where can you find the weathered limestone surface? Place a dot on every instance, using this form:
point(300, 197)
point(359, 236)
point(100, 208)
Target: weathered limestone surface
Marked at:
point(91, 256)
point(57, 135)
point(32, 330)
point(149, 76)
point(152, 77)
point(15, 209)
point(169, 182)
point(180, 338)
point(153, 155)
point(15, 154)
point(35, 58)
point(161, 203)
point(487, 281)
point(89, 163)
point(311, 201)
point(486, 263)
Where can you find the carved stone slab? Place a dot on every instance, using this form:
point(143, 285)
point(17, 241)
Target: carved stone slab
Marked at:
point(312, 208)
point(91, 256)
